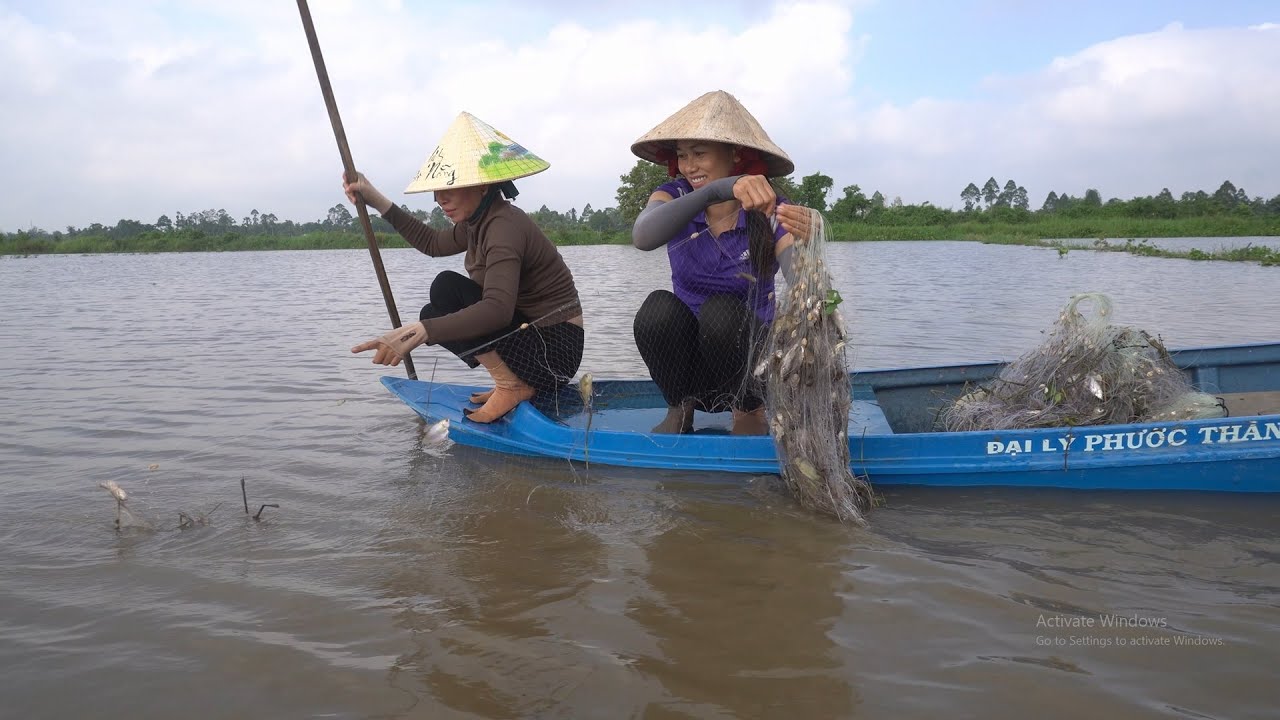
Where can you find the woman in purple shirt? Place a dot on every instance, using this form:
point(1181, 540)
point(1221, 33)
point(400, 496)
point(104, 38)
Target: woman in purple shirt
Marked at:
point(717, 221)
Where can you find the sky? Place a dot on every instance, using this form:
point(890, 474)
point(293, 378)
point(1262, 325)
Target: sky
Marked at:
point(140, 108)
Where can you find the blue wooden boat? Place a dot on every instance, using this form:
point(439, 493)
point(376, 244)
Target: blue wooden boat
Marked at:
point(893, 438)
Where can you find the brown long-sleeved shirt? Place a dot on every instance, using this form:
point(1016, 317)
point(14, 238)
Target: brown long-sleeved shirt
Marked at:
point(509, 257)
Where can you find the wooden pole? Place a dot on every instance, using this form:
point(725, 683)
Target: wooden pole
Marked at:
point(349, 169)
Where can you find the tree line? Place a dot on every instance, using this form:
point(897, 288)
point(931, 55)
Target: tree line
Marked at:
point(992, 202)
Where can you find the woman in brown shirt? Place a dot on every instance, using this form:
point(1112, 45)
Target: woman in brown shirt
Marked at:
point(517, 311)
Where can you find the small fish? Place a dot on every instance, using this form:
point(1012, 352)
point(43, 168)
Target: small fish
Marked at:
point(584, 388)
point(788, 359)
point(777, 428)
point(116, 491)
point(438, 433)
point(1095, 386)
point(807, 469)
point(763, 367)
point(153, 466)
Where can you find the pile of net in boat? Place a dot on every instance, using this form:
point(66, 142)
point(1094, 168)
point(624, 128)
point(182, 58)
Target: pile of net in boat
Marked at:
point(1088, 372)
point(807, 393)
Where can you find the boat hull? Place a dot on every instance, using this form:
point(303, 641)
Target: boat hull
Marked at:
point(1230, 454)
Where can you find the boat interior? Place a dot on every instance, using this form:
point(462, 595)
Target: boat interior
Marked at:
point(1246, 378)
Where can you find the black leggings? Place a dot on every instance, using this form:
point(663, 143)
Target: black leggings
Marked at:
point(544, 357)
point(704, 357)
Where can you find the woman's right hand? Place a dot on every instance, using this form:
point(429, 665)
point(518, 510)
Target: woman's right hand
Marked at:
point(363, 191)
point(755, 193)
point(396, 344)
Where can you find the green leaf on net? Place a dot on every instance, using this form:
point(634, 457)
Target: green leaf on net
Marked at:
point(833, 299)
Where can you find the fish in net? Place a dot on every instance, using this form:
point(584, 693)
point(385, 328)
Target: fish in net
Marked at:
point(1088, 372)
point(807, 389)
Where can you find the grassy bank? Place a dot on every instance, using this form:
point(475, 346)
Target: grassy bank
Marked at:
point(197, 241)
point(1053, 227)
point(1046, 231)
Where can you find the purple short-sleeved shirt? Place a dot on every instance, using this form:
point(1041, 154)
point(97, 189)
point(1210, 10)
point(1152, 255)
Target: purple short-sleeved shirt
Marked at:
point(703, 265)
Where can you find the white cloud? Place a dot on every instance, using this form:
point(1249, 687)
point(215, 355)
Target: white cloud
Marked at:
point(1183, 109)
point(140, 111)
point(222, 109)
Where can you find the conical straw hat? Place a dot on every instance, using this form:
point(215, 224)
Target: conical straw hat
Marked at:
point(473, 153)
point(715, 116)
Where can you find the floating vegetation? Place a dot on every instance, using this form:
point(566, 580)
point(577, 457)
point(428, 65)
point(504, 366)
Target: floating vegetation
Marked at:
point(1260, 254)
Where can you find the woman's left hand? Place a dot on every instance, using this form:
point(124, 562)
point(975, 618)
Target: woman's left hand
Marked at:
point(796, 220)
point(393, 346)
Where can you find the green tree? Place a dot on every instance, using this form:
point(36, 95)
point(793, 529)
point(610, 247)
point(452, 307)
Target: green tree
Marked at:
point(990, 191)
point(971, 196)
point(1005, 198)
point(163, 224)
point(1050, 202)
point(339, 216)
point(1092, 198)
point(607, 220)
point(813, 191)
point(1020, 199)
point(852, 206)
point(637, 185)
point(1228, 196)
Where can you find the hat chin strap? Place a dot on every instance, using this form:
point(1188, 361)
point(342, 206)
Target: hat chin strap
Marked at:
point(506, 187)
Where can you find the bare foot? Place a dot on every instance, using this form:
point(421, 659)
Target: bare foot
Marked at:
point(679, 420)
point(502, 401)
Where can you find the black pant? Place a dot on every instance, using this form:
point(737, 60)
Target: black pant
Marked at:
point(544, 357)
point(704, 357)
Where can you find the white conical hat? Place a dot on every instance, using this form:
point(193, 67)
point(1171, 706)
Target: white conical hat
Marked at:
point(473, 153)
point(716, 116)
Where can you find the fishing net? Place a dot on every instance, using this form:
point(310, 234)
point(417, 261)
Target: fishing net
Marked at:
point(807, 387)
point(764, 358)
point(1088, 372)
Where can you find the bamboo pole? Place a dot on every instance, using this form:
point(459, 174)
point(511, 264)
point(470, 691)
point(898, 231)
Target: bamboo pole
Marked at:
point(349, 169)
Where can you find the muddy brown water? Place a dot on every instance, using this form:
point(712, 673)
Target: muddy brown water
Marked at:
point(398, 580)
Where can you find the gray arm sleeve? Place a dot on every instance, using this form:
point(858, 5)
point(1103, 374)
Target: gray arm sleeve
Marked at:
point(784, 261)
point(659, 222)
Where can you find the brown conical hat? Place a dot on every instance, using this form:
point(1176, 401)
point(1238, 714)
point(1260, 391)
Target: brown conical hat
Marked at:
point(716, 116)
point(471, 153)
